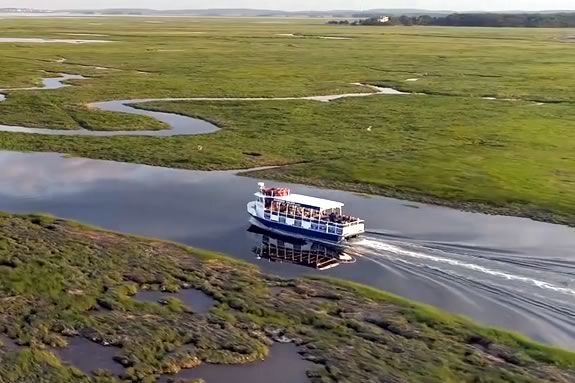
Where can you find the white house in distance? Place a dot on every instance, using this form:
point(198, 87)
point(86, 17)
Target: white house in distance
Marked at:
point(383, 19)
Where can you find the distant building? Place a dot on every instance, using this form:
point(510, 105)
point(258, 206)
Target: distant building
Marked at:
point(383, 19)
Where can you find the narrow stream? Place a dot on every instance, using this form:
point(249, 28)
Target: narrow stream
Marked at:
point(179, 125)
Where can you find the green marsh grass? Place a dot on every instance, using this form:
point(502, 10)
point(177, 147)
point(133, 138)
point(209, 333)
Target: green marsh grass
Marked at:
point(451, 147)
point(60, 279)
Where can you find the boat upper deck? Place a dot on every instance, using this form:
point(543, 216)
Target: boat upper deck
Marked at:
point(306, 201)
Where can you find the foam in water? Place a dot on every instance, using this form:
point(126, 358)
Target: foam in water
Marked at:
point(389, 248)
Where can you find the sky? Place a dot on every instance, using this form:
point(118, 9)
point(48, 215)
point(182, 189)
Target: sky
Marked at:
point(455, 5)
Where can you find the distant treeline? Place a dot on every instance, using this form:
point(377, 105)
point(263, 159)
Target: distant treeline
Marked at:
point(555, 20)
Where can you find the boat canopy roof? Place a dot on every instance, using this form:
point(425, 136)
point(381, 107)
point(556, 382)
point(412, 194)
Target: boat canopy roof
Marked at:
point(304, 200)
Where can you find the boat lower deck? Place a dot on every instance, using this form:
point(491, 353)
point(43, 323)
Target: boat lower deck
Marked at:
point(295, 231)
point(314, 226)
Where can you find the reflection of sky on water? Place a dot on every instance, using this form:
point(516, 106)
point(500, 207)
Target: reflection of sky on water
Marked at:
point(41, 175)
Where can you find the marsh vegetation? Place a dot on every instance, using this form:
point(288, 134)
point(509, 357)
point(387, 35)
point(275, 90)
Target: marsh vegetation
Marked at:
point(62, 283)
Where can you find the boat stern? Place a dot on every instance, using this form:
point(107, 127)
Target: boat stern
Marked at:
point(354, 230)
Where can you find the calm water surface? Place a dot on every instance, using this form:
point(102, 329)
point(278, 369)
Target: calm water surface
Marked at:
point(283, 365)
point(508, 272)
point(88, 356)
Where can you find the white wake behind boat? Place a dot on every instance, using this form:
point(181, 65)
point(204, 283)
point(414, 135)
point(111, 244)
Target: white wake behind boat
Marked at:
point(278, 210)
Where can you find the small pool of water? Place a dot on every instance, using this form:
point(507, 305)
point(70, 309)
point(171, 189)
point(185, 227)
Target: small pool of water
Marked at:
point(7, 344)
point(283, 365)
point(89, 356)
point(196, 300)
point(58, 82)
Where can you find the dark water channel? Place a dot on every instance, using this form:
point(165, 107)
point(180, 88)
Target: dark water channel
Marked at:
point(504, 271)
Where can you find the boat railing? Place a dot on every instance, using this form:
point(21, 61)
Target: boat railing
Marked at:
point(317, 220)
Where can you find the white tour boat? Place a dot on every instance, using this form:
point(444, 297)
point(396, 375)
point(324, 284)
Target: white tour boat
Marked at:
point(278, 210)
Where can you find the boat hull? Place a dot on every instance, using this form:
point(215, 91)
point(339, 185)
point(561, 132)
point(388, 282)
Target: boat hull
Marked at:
point(294, 231)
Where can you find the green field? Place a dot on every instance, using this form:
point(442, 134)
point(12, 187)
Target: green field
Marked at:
point(449, 146)
point(60, 280)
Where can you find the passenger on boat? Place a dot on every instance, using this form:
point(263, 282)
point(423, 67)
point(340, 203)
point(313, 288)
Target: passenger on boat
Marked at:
point(333, 217)
point(297, 211)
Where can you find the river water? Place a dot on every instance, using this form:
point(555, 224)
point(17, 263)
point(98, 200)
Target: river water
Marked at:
point(504, 271)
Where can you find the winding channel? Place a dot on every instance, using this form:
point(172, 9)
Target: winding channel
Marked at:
point(179, 125)
point(504, 271)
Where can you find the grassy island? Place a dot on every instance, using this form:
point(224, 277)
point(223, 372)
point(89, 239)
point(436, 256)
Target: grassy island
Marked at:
point(60, 281)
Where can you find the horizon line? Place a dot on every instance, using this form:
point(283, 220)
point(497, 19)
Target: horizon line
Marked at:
point(290, 11)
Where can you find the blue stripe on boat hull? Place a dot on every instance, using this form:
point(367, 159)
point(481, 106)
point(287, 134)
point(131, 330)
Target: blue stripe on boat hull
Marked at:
point(300, 231)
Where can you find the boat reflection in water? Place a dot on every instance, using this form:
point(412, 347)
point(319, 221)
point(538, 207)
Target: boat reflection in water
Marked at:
point(284, 249)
